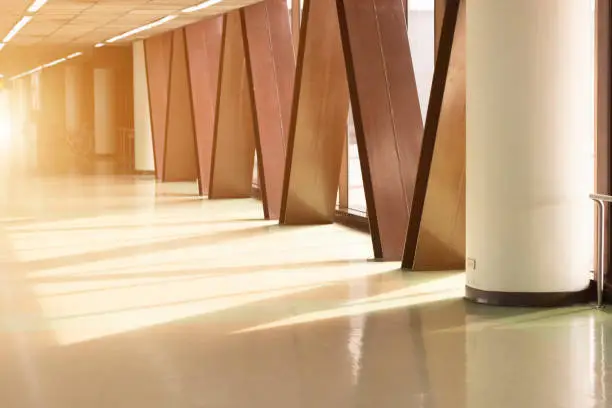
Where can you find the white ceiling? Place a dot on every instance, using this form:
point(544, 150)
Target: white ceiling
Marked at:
point(87, 22)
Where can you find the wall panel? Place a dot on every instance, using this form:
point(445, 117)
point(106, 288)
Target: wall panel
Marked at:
point(436, 230)
point(157, 53)
point(386, 113)
point(180, 161)
point(204, 50)
point(234, 139)
point(318, 124)
point(271, 66)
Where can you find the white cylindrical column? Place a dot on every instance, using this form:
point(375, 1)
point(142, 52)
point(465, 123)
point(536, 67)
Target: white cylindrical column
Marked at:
point(530, 126)
point(105, 117)
point(143, 137)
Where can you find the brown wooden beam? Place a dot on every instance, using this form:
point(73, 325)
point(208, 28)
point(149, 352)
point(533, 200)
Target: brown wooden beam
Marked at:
point(603, 92)
point(439, 11)
point(234, 140)
point(271, 67)
point(180, 158)
point(157, 56)
point(386, 113)
point(204, 51)
point(318, 124)
point(436, 230)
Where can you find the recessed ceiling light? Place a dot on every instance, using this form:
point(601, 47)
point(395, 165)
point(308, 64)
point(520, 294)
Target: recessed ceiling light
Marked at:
point(99, 45)
point(141, 29)
point(201, 6)
point(37, 5)
point(25, 20)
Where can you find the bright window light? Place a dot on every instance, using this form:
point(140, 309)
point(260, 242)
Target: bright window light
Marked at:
point(143, 28)
point(25, 20)
point(37, 5)
point(201, 6)
point(5, 120)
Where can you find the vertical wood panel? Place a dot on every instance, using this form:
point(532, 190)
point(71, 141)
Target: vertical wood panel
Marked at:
point(234, 142)
point(319, 120)
point(204, 51)
point(436, 230)
point(271, 67)
point(439, 11)
point(157, 55)
point(180, 161)
point(386, 112)
point(603, 55)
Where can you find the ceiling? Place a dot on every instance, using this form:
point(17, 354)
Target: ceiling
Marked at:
point(75, 25)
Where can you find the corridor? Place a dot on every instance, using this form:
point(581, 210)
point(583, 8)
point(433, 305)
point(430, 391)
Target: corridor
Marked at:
point(117, 292)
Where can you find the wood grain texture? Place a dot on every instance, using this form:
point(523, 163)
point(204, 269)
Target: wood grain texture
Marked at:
point(234, 142)
point(386, 113)
point(181, 158)
point(436, 230)
point(204, 52)
point(271, 67)
point(439, 11)
point(157, 56)
point(603, 72)
point(319, 120)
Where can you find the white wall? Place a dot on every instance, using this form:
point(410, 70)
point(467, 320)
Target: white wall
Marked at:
point(143, 137)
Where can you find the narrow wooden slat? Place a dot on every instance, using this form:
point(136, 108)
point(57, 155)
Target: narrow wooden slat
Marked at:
point(439, 11)
point(234, 142)
point(180, 160)
point(318, 124)
point(204, 51)
point(157, 56)
point(436, 231)
point(603, 72)
point(271, 67)
point(386, 112)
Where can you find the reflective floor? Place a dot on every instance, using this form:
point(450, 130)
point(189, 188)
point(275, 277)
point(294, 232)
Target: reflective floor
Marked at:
point(115, 292)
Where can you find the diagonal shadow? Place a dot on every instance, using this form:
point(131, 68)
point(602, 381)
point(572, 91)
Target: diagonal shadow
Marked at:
point(179, 243)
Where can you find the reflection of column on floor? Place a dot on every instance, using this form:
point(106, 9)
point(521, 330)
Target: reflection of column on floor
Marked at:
point(524, 362)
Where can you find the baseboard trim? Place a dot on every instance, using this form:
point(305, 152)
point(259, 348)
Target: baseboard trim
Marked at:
point(530, 299)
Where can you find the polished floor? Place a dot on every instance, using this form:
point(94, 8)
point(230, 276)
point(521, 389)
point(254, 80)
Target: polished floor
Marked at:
point(115, 292)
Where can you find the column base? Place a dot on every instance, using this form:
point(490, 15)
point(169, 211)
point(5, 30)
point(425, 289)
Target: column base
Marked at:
point(531, 299)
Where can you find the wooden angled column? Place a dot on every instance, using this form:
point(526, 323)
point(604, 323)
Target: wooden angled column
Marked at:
point(157, 55)
point(386, 114)
point(234, 139)
point(271, 69)
point(180, 154)
point(436, 230)
point(203, 52)
point(318, 124)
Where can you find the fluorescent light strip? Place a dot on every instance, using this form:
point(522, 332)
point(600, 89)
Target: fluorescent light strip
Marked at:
point(37, 5)
point(201, 6)
point(141, 29)
point(58, 61)
point(48, 65)
point(2, 45)
point(99, 45)
point(25, 20)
